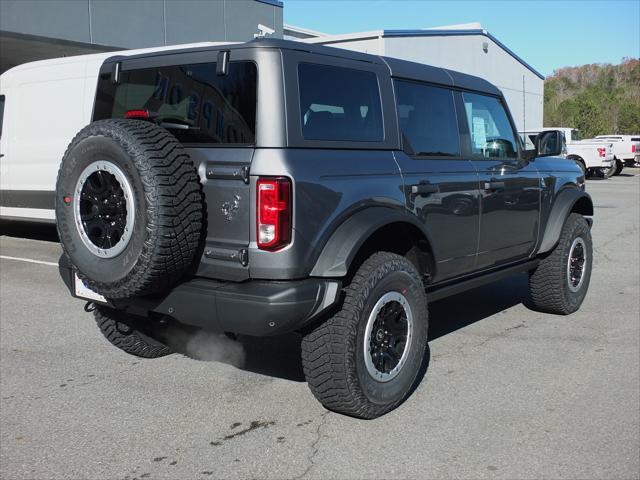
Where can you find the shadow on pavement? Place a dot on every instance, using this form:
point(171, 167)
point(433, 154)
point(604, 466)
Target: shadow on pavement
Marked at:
point(34, 231)
point(453, 313)
point(280, 356)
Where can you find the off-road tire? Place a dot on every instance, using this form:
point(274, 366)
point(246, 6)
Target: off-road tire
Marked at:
point(333, 353)
point(548, 283)
point(168, 200)
point(126, 333)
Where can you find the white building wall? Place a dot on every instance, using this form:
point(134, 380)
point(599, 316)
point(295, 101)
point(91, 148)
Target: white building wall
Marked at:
point(464, 53)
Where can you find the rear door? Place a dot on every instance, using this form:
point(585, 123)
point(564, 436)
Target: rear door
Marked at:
point(441, 186)
point(214, 117)
point(509, 185)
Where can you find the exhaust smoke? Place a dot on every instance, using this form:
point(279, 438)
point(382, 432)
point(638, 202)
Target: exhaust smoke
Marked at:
point(206, 346)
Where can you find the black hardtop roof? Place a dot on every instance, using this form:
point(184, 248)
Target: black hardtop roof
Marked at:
point(398, 68)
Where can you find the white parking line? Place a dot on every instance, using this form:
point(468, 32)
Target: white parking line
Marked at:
point(29, 260)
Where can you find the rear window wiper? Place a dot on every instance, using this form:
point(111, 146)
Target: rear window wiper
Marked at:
point(175, 123)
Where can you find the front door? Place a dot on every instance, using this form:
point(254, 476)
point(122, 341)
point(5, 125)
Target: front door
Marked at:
point(441, 186)
point(509, 185)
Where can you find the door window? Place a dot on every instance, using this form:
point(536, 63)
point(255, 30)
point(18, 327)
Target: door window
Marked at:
point(427, 119)
point(491, 132)
point(339, 103)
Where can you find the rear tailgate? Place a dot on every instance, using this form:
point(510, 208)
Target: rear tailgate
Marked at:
point(224, 173)
point(214, 116)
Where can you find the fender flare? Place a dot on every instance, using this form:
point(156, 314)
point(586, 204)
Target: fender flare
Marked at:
point(563, 205)
point(345, 242)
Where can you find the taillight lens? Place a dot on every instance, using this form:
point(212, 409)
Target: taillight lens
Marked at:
point(602, 152)
point(273, 213)
point(633, 148)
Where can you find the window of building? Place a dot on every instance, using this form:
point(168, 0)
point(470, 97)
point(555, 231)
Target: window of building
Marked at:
point(491, 132)
point(199, 106)
point(339, 104)
point(427, 119)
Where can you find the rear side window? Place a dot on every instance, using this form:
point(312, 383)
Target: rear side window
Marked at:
point(197, 105)
point(339, 104)
point(491, 132)
point(427, 119)
point(1, 113)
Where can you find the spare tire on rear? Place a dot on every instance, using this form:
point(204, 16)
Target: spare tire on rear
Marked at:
point(129, 208)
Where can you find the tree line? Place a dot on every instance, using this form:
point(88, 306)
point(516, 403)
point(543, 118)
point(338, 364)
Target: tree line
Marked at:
point(598, 99)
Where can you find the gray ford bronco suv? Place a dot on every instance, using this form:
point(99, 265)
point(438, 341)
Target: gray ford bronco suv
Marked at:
point(273, 186)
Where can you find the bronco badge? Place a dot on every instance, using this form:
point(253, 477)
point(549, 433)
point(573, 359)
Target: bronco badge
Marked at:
point(229, 209)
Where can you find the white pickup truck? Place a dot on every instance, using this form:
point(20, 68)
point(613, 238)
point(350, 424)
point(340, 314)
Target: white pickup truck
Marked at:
point(596, 157)
point(626, 149)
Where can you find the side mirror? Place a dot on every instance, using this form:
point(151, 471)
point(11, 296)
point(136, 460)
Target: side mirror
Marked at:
point(549, 143)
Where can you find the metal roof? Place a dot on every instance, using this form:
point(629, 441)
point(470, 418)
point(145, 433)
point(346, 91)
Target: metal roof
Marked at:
point(436, 32)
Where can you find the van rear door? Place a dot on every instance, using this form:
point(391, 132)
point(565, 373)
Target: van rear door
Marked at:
point(214, 116)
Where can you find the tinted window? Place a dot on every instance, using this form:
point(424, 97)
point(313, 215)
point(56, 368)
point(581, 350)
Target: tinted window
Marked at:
point(427, 119)
point(218, 109)
point(339, 104)
point(1, 112)
point(491, 132)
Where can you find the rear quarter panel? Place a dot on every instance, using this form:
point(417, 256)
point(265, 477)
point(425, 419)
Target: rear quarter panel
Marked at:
point(329, 186)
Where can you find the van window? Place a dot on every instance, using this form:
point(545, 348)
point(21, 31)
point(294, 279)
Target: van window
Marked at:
point(208, 107)
point(491, 132)
point(427, 119)
point(1, 113)
point(340, 104)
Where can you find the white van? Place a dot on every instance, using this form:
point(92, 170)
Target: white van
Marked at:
point(42, 106)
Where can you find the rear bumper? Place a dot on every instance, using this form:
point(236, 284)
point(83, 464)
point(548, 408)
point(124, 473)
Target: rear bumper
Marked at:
point(254, 307)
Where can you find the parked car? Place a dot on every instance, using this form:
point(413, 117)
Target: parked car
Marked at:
point(595, 157)
point(626, 149)
point(273, 187)
point(42, 106)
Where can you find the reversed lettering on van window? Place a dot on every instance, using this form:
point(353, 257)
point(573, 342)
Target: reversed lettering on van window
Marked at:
point(193, 102)
point(339, 104)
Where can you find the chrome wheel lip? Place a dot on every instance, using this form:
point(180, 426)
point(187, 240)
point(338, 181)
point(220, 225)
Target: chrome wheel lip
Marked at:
point(109, 167)
point(575, 256)
point(371, 368)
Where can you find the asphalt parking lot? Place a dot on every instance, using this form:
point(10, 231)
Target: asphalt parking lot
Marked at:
point(509, 393)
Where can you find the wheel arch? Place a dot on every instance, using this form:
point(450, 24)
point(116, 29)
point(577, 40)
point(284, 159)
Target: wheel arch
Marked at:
point(371, 230)
point(569, 200)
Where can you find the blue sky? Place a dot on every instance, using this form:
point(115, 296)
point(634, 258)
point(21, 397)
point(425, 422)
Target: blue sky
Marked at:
point(547, 34)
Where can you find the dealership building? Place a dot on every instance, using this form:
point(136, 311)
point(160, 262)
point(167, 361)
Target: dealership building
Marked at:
point(33, 30)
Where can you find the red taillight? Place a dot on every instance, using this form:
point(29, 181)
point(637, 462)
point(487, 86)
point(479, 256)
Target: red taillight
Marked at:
point(602, 152)
point(273, 213)
point(143, 114)
point(633, 148)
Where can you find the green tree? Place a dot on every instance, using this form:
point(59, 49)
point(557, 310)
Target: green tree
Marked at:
point(598, 99)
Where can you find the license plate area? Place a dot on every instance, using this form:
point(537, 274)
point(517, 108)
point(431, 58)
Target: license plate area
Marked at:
point(82, 291)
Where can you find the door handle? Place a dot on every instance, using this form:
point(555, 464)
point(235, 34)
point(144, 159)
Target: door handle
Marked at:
point(424, 189)
point(494, 185)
